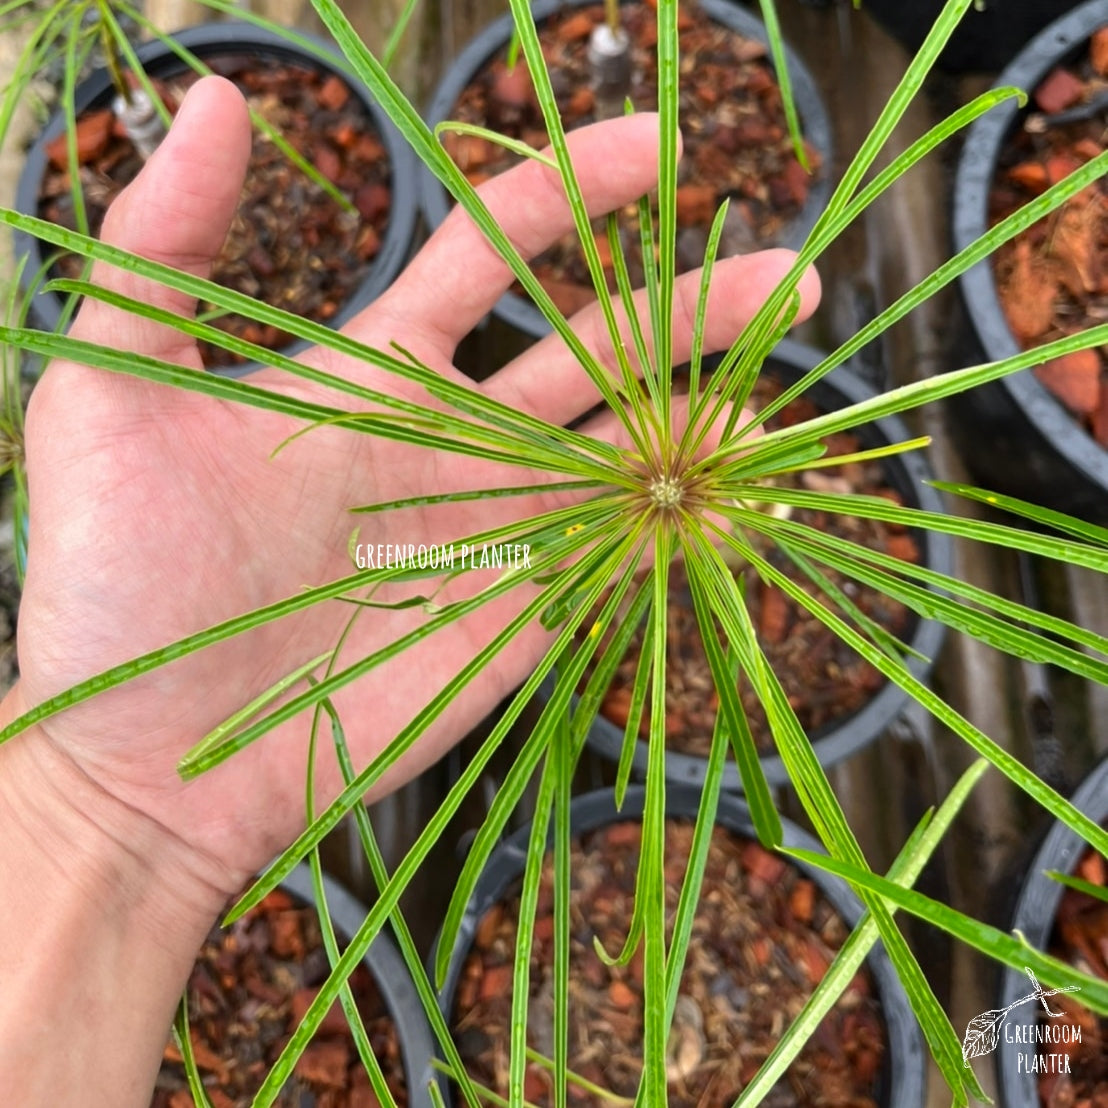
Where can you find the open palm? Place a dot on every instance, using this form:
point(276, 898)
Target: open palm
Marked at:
point(157, 512)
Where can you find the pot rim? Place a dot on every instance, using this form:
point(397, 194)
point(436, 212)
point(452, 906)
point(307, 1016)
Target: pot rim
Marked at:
point(435, 204)
point(838, 740)
point(1033, 917)
point(904, 1069)
point(972, 182)
point(206, 40)
point(390, 975)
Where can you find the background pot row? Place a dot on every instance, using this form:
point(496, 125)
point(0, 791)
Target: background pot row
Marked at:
point(902, 1080)
point(1031, 445)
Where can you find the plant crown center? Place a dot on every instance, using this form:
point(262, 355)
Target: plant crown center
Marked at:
point(666, 492)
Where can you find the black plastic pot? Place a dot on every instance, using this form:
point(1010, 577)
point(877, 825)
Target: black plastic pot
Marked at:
point(903, 1076)
point(986, 39)
point(907, 473)
point(1015, 436)
point(1034, 919)
point(206, 42)
point(519, 312)
point(391, 976)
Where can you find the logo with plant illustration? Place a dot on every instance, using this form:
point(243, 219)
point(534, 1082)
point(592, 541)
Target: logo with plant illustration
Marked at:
point(983, 1033)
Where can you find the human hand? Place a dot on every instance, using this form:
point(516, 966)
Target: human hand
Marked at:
point(158, 512)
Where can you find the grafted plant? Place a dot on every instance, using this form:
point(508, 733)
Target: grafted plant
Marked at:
point(689, 489)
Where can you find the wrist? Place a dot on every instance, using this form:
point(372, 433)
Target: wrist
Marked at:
point(82, 842)
point(104, 912)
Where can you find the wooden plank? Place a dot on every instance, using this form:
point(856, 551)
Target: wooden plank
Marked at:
point(172, 15)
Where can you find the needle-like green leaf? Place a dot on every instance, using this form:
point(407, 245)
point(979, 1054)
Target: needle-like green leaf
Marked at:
point(1015, 952)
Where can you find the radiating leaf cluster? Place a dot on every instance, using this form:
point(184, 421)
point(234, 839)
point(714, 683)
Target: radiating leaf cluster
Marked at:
point(691, 490)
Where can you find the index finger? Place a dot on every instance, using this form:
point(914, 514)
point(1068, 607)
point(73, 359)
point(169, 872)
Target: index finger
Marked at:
point(454, 281)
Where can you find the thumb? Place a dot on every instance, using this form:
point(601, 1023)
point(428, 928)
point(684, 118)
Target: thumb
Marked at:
point(176, 211)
